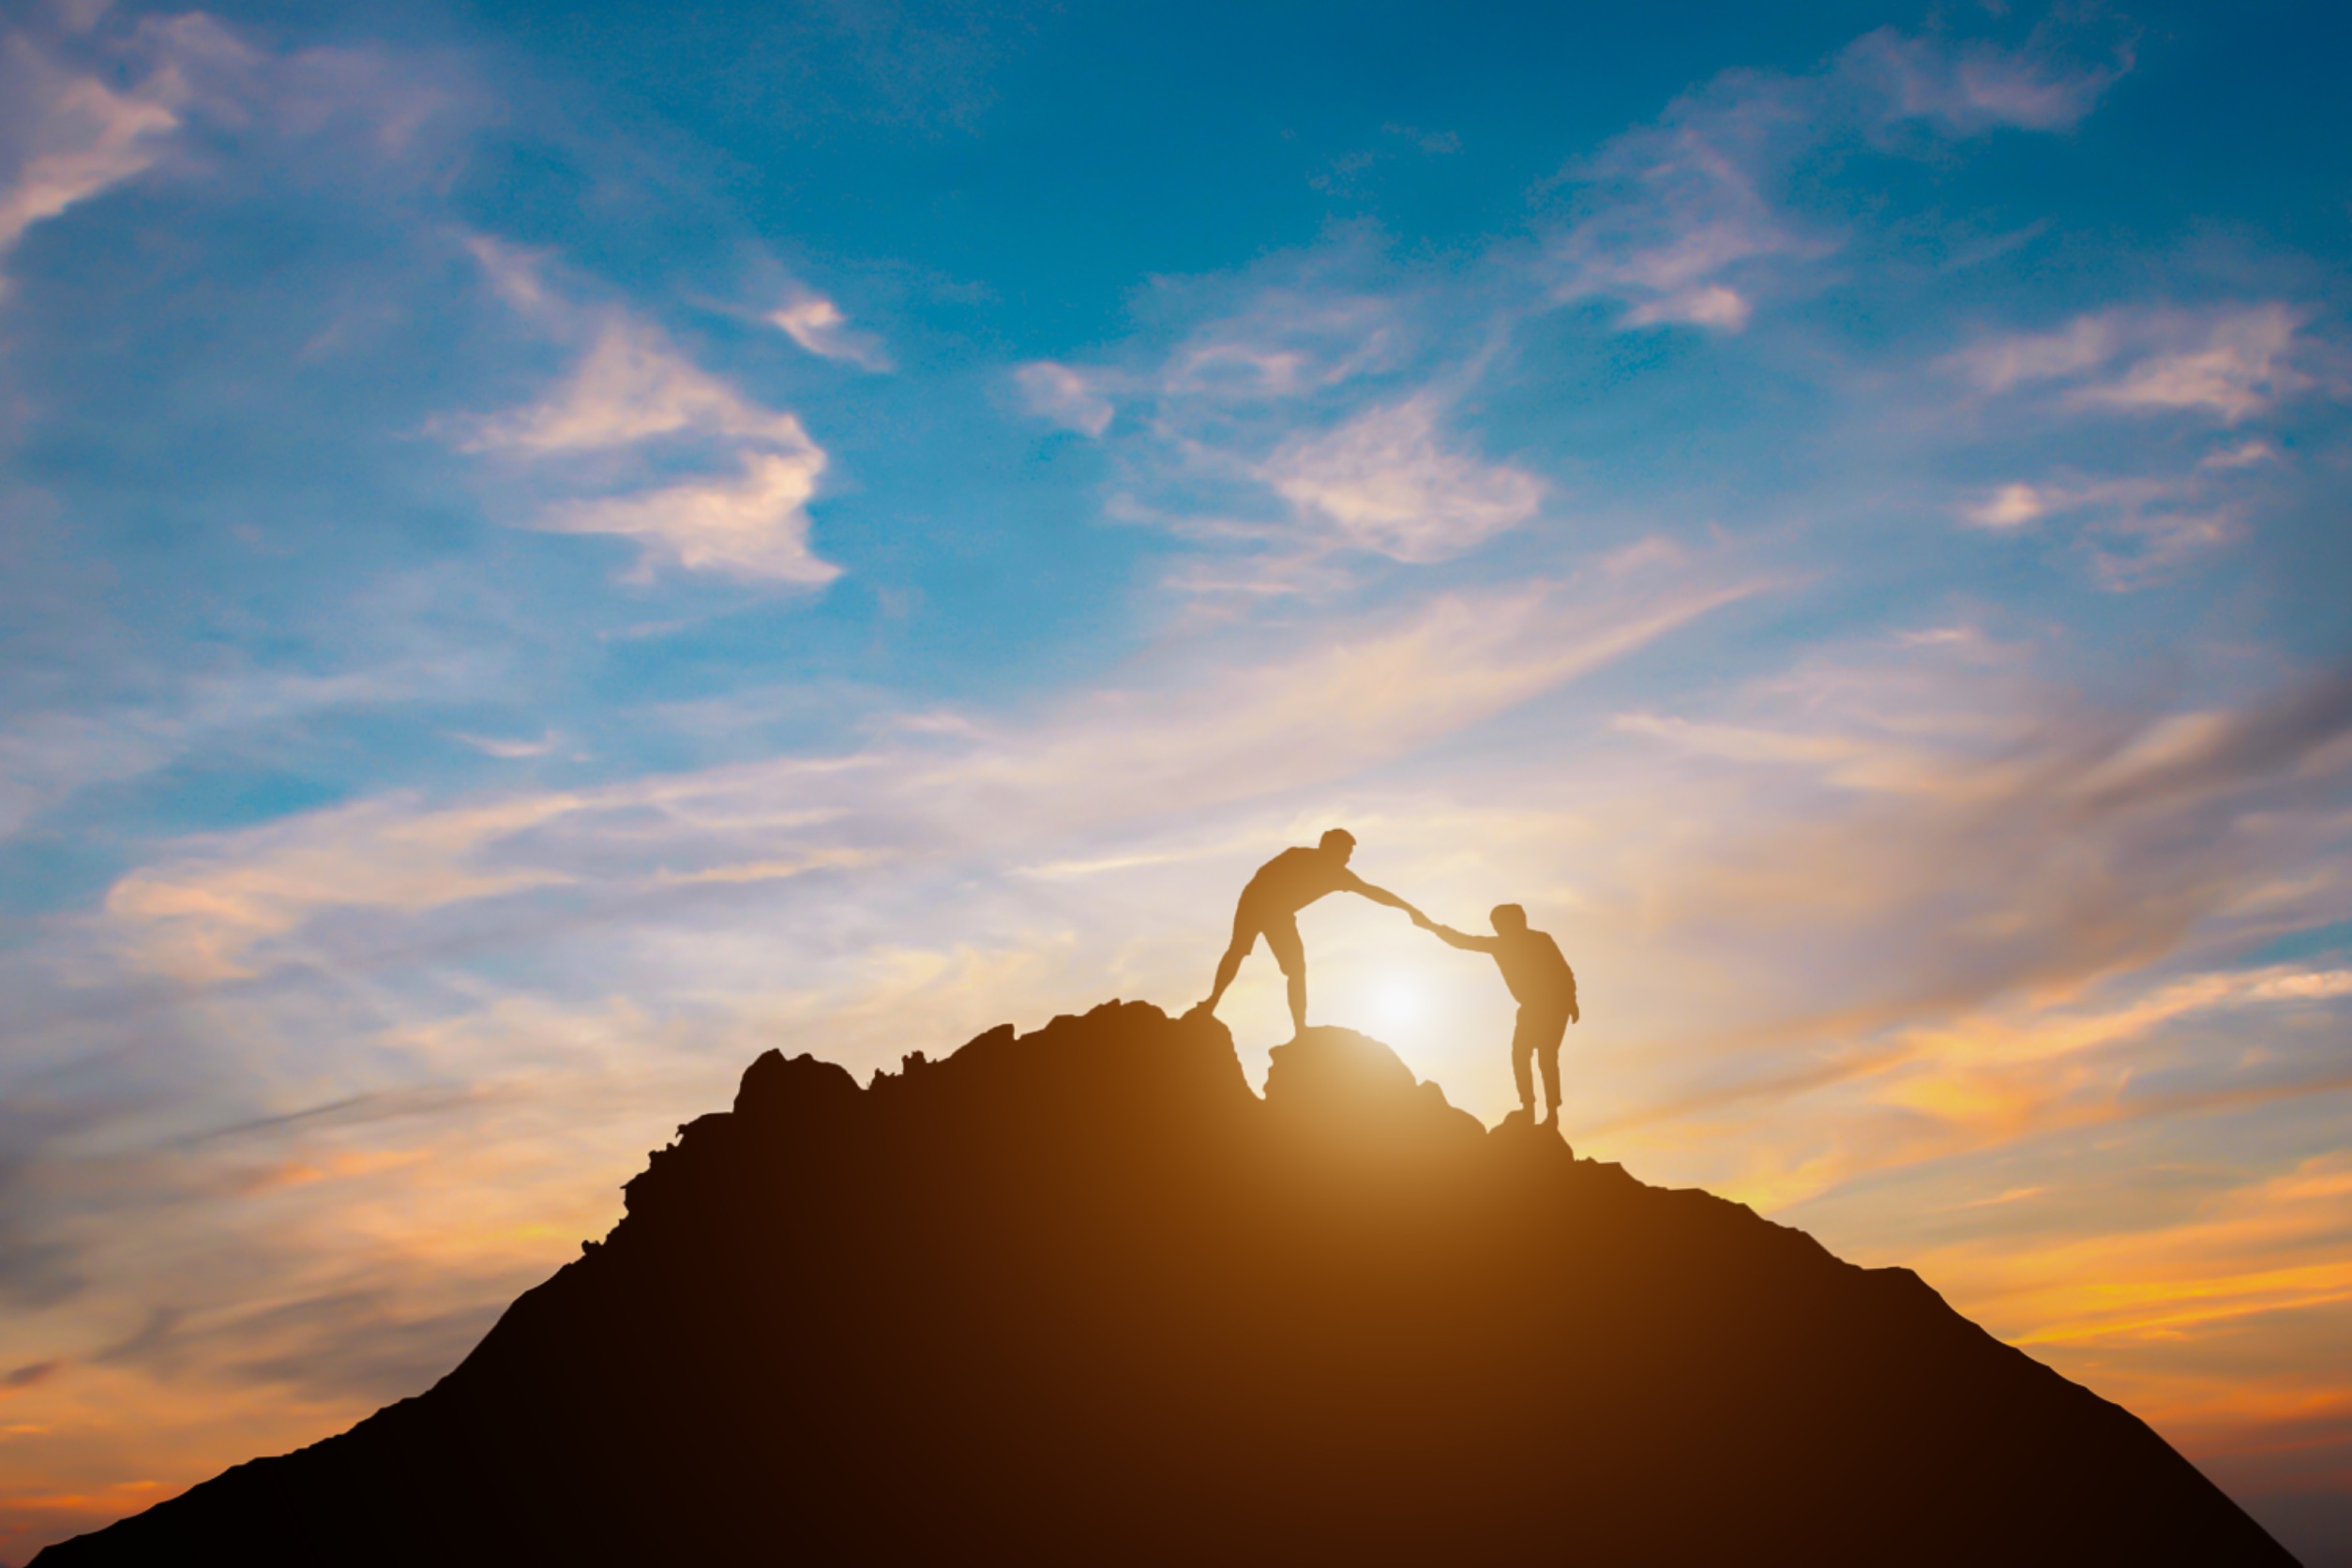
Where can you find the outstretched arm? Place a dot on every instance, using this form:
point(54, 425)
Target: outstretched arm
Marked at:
point(1354, 883)
point(1462, 939)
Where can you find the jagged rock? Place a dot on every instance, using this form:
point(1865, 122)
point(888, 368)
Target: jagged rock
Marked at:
point(1082, 1296)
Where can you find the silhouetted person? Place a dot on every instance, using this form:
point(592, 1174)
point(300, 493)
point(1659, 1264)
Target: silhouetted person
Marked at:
point(1541, 982)
point(1270, 908)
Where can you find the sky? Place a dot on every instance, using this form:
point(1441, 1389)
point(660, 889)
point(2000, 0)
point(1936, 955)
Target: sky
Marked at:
point(546, 549)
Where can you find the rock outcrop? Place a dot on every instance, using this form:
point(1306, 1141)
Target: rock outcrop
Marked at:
point(1082, 1296)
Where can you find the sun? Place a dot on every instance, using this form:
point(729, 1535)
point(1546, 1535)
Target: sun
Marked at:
point(1399, 1004)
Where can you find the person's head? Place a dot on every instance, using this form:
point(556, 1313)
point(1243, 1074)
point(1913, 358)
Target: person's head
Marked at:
point(1338, 844)
point(1509, 919)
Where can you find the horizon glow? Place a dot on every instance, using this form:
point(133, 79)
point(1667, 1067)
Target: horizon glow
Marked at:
point(550, 550)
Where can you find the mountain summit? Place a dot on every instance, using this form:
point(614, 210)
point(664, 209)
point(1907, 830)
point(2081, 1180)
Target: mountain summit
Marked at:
point(1080, 1295)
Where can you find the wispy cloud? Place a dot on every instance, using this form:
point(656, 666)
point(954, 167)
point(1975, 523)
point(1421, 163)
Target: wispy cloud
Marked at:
point(633, 386)
point(1066, 396)
point(1287, 343)
point(1273, 435)
point(1675, 212)
point(2226, 362)
point(515, 275)
point(507, 747)
point(48, 757)
point(753, 525)
point(817, 325)
point(1976, 87)
point(1683, 220)
point(370, 856)
point(1385, 483)
point(2139, 529)
point(1203, 736)
point(70, 136)
point(1290, 340)
point(72, 130)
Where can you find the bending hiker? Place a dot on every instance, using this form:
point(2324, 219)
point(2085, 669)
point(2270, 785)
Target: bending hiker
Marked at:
point(1542, 983)
point(1270, 906)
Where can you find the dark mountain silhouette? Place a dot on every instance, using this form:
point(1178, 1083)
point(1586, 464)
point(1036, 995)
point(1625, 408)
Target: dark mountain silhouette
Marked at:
point(1082, 1296)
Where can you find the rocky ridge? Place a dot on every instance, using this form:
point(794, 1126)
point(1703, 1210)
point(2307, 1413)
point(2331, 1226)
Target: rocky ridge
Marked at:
point(1081, 1295)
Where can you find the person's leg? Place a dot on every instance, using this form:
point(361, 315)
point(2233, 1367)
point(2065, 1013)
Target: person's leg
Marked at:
point(1547, 1037)
point(1244, 937)
point(1282, 937)
point(1522, 1047)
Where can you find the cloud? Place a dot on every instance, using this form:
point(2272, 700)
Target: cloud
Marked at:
point(1671, 210)
point(2223, 364)
point(377, 107)
point(1681, 220)
point(1271, 433)
point(505, 749)
point(46, 756)
point(69, 137)
point(1910, 809)
point(2227, 362)
point(1384, 484)
point(1707, 305)
point(375, 855)
point(1326, 713)
point(2232, 364)
point(2145, 526)
point(1978, 87)
point(1294, 339)
point(2007, 363)
point(514, 274)
point(754, 526)
point(2244, 454)
point(2191, 756)
point(2010, 506)
point(1298, 338)
point(231, 906)
point(2139, 528)
point(817, 325)
point(1069, 398)
point(49, 757)
point(633, 388)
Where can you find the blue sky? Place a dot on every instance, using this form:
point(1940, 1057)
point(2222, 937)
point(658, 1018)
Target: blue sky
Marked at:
point(547, 549)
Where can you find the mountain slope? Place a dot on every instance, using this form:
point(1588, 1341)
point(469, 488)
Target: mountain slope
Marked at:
point(1081, 1295)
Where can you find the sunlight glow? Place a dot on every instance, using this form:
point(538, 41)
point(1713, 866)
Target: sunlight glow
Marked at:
point(1397, 1004)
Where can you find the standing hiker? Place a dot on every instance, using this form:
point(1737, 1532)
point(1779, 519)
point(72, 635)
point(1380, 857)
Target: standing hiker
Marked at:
point(1269, 906)
point(1542, 983)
